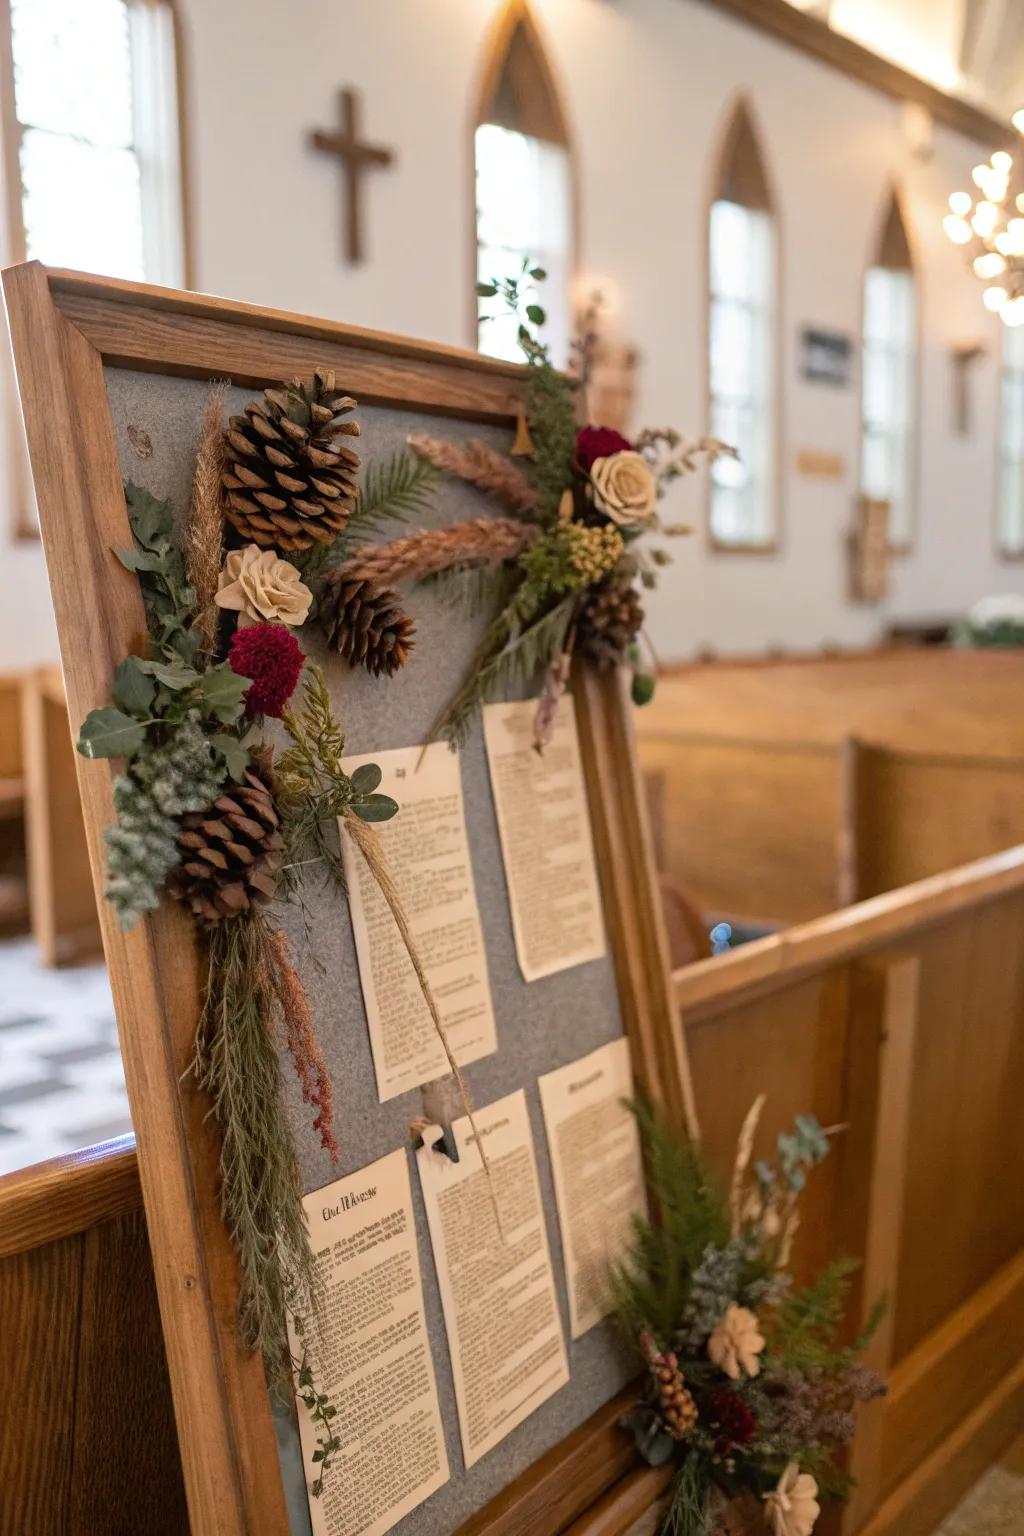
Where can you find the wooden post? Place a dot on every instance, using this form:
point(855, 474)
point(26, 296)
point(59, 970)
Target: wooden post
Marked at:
point(883, 1015)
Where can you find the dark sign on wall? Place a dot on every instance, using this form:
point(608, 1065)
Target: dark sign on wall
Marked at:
point(826, 357)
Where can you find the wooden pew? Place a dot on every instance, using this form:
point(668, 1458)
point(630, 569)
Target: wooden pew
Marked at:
point(903, 1019)
point(13, 886)
point(914, 813)
point(87, 1440)
point(62, 902)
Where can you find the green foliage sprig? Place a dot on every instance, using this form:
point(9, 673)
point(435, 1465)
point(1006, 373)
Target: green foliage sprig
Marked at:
point(314, 789)
point(175, 726)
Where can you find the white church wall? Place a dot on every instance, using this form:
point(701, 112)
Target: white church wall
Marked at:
point(647, 86)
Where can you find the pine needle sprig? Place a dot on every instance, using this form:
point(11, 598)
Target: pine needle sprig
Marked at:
point(393, 490)
point(236, 1063)
point(472, 589)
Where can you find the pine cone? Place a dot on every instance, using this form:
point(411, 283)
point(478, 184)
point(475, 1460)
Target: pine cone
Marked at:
point(676, 1406)
point(230, 853)
point(365, 622)
point(289, 480)
point(612, 618)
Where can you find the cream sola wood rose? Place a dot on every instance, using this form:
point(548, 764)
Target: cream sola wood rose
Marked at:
point(792, 1508)
point(736, 1343)
point(263, 588)
point(624, 488)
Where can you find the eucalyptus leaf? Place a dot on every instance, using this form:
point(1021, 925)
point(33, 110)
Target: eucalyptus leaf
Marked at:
point(133, 689)
point(175, 675)
point(486, 290)
point(151, 519)
point(538, 274)
point(140, 559)
point(375, 808)
point(366, 779)
point(109, 732)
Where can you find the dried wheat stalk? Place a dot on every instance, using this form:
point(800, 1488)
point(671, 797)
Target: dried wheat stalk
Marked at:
point(482, 466)
point(484, 541)
point(204, 534)
point(744, 1150)
point(367, 840)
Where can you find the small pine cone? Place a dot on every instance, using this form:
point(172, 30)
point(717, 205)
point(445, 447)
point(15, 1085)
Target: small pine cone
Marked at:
point(365, 622)
point(675, 1403)
point(612, 618)
point(289, 478)
point(230, 853)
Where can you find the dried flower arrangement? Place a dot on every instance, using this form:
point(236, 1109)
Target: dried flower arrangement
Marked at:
point(561, 563)
point(208, 813)
point(750, 1391)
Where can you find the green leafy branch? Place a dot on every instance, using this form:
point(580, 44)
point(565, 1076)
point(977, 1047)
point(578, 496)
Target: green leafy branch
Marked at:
point(314, 789)
point(320, 1409)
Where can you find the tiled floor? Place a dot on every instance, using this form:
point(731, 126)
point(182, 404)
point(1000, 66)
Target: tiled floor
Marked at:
point(61, 1079)
point(995, 1505)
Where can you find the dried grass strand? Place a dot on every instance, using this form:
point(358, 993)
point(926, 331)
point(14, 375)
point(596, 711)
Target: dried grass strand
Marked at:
point(204, 533)
point(483, 466)
point(482, 541)
point(368, 842)
point(303, 1042)
point(744, 1151)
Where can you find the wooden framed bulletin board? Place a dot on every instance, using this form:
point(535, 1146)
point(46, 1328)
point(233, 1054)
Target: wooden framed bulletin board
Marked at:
point(113, 380)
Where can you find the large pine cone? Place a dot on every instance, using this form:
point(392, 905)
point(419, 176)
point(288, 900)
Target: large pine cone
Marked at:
point(365, 622)
point(612, 618)
point(230, 853)
point(289, 479)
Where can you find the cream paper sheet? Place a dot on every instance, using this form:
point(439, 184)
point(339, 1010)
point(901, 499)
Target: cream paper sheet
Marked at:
point(497, 1288)
point(428, 852)
point(373, 1357)
point(544, 825)
point(598, 1172)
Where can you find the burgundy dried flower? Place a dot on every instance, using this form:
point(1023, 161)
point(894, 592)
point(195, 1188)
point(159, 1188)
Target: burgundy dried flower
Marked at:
point(272, 657)
point(729, 1419)
point(598, 443)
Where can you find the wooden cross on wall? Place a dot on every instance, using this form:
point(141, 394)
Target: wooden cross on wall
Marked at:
point(356, 157)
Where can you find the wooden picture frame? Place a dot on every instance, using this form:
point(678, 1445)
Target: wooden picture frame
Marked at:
point(65, 329)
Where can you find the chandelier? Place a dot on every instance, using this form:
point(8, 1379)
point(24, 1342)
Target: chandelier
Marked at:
point(989, 223)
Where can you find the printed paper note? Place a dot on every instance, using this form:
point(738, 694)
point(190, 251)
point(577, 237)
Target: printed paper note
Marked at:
point(544, 825)
point(373, 1357)
point(428, 853)
point(497, 1287)
point(598, 1172)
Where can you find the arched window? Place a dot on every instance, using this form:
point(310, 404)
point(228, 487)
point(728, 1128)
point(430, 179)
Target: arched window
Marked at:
point(742, 343)
point(1010, 489)
point(889, 378)
point(524, 199)
point(91, 136)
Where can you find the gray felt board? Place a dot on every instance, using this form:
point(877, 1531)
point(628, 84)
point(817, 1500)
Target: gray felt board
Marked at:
point(540, 1025)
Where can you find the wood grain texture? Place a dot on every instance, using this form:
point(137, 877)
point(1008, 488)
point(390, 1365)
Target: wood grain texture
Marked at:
point(228, 1446)
point(776, 961)
point(636, 1498)
point(40, 1303)
point(816, 38)
point(750, 828)
point(56, 1199)
point(62, 902)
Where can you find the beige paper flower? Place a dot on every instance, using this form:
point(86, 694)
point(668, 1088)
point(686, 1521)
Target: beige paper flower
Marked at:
point(793, 1508)
point(736, 1343)
point(625, 488)
point(260, 585)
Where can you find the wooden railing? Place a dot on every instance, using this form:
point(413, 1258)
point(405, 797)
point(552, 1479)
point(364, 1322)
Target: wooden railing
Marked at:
point(87, 1440)
point(900, 1021)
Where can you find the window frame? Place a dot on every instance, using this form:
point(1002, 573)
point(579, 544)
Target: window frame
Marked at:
point(1003, 552)
point(24, 528)
point(741, 114)
point(895, 198)
point(509, 18)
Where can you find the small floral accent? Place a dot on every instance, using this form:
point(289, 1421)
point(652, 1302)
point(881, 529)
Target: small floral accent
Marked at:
point(624, 488)
point(272, 657)
point(599, 443)
point(792, 1508)
point(259, 585)
point(736, 1343)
